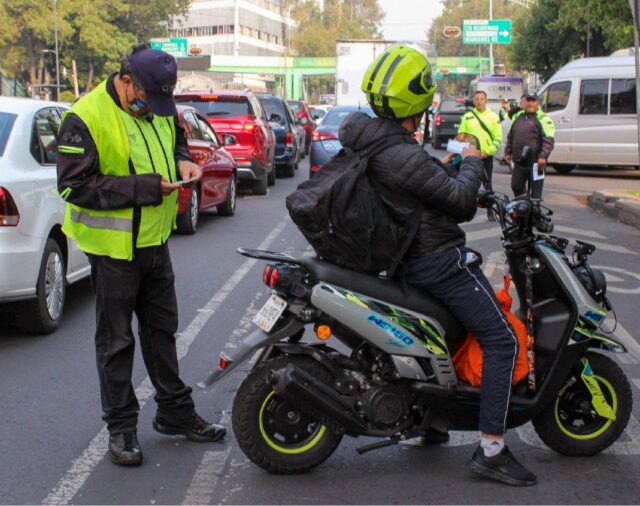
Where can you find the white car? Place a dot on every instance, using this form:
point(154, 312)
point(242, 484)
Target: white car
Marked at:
point(37, 260)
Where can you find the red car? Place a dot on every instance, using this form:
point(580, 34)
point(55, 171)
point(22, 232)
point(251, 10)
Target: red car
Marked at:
point(306, 120)
point(218, 186)
point(238, 118)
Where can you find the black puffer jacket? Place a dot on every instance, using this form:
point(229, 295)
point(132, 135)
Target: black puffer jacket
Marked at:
point(406, 176)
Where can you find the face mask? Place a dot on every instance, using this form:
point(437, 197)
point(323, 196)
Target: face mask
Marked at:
point(138, 108)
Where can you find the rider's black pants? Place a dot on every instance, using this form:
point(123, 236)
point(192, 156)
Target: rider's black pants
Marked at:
point(454, 277)
point(144, 286)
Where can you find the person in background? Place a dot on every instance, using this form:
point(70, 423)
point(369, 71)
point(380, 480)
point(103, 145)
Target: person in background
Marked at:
point(485, 125)
point(533, 128)
point(505, 106)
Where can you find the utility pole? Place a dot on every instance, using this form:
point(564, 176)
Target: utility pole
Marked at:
point(55, 23)
point(490, 45)
point(635, 10)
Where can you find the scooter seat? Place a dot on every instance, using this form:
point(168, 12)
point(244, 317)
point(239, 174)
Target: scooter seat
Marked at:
point(390, 292)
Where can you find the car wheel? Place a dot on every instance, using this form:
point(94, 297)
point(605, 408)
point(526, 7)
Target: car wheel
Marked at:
point(43, 314)
point(563, 169)
point(260, 185)
point(188, 221)
point(229, 207)
point(271, 177)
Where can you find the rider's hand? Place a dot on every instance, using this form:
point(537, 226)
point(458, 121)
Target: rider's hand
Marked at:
point(470, 151)
point(447, 158)
point(542, 162)
point(167, 187)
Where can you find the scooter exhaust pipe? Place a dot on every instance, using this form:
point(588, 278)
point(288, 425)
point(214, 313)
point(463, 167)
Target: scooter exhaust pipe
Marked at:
point(313, 397)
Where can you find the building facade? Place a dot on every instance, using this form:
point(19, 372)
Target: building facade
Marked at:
point(235, 27)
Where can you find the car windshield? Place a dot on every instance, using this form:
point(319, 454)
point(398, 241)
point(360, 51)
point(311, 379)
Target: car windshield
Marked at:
point(222, 106)
point(336, 116)
point(453, 106)
point(6, 124)
point(273, 107)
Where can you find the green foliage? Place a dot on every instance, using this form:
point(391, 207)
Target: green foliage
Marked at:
point(321, 25)
point(553, 33)
point(95, 33)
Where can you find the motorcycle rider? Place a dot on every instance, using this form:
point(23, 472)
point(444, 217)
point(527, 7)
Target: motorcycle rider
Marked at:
point(399, 88)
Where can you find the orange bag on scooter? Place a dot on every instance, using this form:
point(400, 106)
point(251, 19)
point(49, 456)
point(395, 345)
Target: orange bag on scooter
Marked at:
point(468, 359)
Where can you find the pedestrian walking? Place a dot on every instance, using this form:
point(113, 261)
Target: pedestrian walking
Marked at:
point(121, 155)
point(533, 128)
point(484, 124)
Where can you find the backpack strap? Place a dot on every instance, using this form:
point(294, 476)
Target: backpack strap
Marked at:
point(484, 127)
point(415, 223)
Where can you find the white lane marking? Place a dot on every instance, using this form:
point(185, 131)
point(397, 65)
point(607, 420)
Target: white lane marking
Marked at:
point(578, 231)
point(528, 436)
point(495, 260)
point(209, 471)
point(81, 468)
point(612, 278)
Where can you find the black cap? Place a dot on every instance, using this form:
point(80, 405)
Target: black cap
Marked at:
point(534, 96)
point(157, 73)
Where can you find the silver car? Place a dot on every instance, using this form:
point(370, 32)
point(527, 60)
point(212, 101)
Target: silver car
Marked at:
point(37, 260)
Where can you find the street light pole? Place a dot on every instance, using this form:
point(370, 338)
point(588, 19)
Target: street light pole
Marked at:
point(490, 45)
point(55, 23)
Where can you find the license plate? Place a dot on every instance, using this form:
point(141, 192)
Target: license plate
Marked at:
point(270, 312)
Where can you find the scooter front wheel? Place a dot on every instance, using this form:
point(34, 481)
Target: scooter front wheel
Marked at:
point(274, 434)
point(571, 425)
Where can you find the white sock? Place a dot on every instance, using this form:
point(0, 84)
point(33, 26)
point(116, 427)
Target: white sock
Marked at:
point(491, 447)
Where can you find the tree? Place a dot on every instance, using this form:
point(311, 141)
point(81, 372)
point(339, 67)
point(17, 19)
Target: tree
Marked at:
point(320, 26)
point(553, 33)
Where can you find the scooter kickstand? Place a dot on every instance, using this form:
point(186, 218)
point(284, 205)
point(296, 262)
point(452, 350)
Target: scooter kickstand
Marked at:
point(394, 440)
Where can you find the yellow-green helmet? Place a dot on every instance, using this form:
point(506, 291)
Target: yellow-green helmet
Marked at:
point(398, 84)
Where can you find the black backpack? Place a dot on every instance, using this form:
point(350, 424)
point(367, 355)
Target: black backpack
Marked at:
point(344, 219)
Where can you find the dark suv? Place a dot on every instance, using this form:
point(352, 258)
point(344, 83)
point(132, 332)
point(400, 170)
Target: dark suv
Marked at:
point(446, 120)
point(239, 119)
point(283, 123)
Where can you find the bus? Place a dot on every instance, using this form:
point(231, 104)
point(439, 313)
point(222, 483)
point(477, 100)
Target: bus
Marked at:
point(497, 88)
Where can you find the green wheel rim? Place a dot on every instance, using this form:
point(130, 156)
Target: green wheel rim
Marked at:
point(609, 392)
point(304, 446)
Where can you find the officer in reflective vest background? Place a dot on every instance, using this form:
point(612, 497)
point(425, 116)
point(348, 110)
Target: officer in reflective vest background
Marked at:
point(122, 155)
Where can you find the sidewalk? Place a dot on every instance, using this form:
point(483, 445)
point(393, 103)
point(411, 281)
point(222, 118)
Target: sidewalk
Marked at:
point(621, 204)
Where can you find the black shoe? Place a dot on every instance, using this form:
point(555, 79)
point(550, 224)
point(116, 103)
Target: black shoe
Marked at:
point(194, 427)
point(125, 449)
point(503, 467)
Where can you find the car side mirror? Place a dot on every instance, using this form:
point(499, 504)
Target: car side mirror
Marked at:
point(229, 139)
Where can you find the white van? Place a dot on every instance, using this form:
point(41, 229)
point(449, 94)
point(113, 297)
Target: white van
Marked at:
point(592, 102)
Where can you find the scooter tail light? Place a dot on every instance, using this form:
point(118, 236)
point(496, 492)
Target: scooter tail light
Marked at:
point(273, 279)
point(266, 274)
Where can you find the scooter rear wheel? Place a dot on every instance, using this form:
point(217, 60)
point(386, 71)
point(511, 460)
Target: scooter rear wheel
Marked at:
point(274, 434)
point(571, 426)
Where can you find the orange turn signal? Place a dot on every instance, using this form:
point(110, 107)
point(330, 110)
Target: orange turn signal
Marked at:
point(323, 332)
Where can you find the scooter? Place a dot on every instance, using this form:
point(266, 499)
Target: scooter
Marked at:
point(392, 375)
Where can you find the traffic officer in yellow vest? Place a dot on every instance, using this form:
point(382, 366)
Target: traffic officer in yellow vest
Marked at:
point(484, 124)
point(533, 128)
point(122, 155)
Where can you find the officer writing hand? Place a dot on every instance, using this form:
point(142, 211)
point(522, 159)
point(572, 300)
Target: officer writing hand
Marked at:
point(189, 170)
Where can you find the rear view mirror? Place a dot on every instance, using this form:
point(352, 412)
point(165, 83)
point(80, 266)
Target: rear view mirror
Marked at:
point(303, 121)
point(316, 116)
point(275, 118)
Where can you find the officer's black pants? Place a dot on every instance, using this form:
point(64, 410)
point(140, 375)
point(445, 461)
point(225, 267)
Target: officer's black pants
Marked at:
point(454, 277)
point(521, 178)
point(144, 286)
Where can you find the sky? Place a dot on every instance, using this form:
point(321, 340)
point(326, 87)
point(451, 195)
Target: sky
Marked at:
point(408, 19)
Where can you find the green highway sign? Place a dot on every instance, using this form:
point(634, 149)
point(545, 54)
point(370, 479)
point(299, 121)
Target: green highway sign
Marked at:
point(486, 31)
point(175, 47)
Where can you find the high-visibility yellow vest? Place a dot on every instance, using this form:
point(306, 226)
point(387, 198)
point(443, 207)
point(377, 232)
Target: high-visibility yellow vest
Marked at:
point(125, 146)
point(489, 143)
